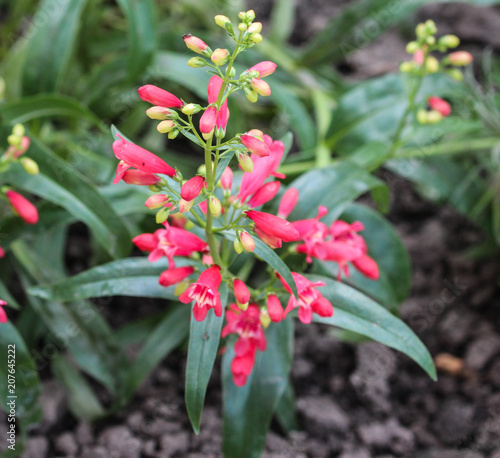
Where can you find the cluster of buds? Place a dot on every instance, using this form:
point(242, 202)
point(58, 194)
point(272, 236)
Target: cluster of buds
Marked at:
point(230, 206)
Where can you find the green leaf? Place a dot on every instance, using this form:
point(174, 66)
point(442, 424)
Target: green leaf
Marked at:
point(136, 277)
point(335, 187)
point(285, 411)
point(282, 21)
point(50, 45)
point(27, 383)
point(38, 106)
point(356, 312)
point(168, 334)
point(83, 403)
point(221, 166)
point(204, 339)
point(142, 32)
point(248, 409)
point(62, 184)
point(270, 257)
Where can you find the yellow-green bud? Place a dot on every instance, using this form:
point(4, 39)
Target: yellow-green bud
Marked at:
point(456, 74)
point(430, 25)
point(181, 287)
point(434, 116)
point(221, 20)
point(197, 62)
point(421, 30)
point(158, 113)
point(202, 170)
point(422, 116)
point(256, 27)
point(450, 41)
point(251, 94)
point(232, 72)
point(431, 64)
point(215, 206)
point(256, 38)
point(18, 130)
point(2, 87)
point(30, 166)
point(191, 108)
point(245, 162)
point(250, 15)
point(154, 188)
point(220, 56)
point(265, 319)
point(431, 41)
point(14, 140)
point(411, 47)
point(162, 215)
point(173, 134)
point(165, 126)
point(238, 247)
point(242, 26)
point(243, 306)
point(242, 15)
point(406, 67)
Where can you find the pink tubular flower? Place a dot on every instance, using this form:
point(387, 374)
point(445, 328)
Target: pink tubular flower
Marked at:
point(173, 276)
point(440, 105)
point(255, 145)
point(310, 300)
point(2, 252)
point(367, 266)
point(266, 193)
point(208, 120)
point(169, 242)
point(157, 201)
point(264, 68)
point(205, 293)
point(3, 315)
point(460, 58)
point(22, 207)
point(241, 292)
point(131, 155)
point(221, 115)
point(274, 308)
point(226, 180)
point(134, 176)
point(191, 189)
point(194, 43)
point(16, 151)
point(273, 226)
point(246, 324)
point(159, 97)
point(288, 202)
point(419, 57)
point(312, 232)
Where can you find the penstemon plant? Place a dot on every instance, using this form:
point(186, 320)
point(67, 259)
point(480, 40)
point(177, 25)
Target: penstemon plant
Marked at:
point(212, 224)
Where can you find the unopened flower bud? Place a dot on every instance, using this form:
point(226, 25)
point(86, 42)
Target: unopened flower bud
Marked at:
point(191, 108)
point(215, 206)
point(430, 26)
point(238, 246)
point(242, 15)
point(241, 293)
point(438, 104)
point(162, 215)
point(460, 58)
point(232, 72)
point(261, 87)
point(257, 133)
point(245, 162)
point(242, 26)
point(156, 201)
point(220, 56)
point(159, 113)
point(434, 116)
point(431, 64)
point(422, 116)
point(265, 319)
point(195, 44)
point(30, 166)
point(274, 308)
point(154, 188)
point(14, 140)
point(247, 242)
point(411, 47)
point(450, 41)
point(165, 126)
point(173, 134)
point(406, 67)
point(222, 20)
point(421, 31)
point(256, 38)
point(185, 206)
point(250, 15)
point(431, 41)
point(197, 62)
point(252, 96)
point(18, 130)
point(456, 74)
point(256, 27)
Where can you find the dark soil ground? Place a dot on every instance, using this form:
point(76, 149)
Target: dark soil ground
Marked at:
point(354, 401)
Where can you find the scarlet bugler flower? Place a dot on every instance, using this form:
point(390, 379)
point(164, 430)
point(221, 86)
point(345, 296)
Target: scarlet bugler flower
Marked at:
point(191, 189)
point(132, 155)
point(266, 193)
point(173, 276)
point(309, 301)
point(134, 176)
point(440, 105)
point(241, 292)
point(255, 145)
point(3, 315)
point(205, 293)
point(250, 338)
point(226, 180)
point(288, 202)
point(274, 308)
point(195, 44)
point(22, 207)
point(273, 226)
point(159, 97)
point(264, 68)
